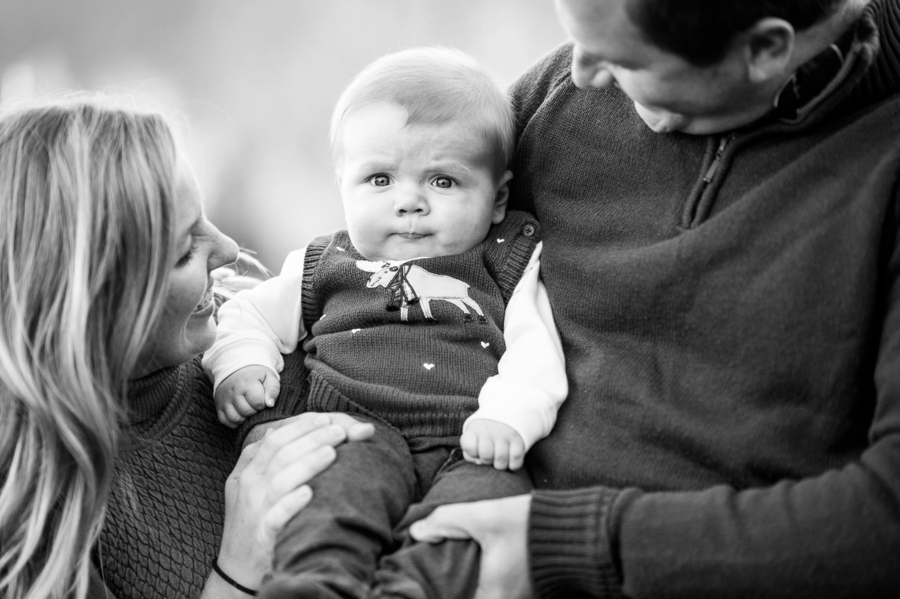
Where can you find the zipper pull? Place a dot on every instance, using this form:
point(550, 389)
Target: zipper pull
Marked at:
point(711, 172)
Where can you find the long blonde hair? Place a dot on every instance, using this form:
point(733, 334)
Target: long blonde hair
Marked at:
point(86, 204)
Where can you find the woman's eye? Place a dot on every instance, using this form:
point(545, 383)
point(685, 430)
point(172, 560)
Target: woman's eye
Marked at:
point(186, 257)
point(380, 180)
point(443, 182)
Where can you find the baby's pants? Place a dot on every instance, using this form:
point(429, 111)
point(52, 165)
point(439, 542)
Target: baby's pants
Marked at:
point(351, 541)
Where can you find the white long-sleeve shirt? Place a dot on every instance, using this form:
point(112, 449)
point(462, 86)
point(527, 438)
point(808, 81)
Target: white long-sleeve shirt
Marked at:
point(261, 323)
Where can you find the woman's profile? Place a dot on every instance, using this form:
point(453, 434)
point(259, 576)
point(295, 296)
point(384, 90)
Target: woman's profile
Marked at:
point(113, 465)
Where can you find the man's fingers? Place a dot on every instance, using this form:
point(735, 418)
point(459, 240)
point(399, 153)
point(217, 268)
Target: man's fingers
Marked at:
point(443, 523)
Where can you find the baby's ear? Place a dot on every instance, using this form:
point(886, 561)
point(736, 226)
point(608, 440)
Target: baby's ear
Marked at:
point(501, 198)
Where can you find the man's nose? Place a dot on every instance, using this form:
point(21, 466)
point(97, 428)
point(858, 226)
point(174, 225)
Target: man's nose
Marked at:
point(589, 71)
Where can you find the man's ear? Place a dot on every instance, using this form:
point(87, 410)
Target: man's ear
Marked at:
point(768, 48)
point(501, 198)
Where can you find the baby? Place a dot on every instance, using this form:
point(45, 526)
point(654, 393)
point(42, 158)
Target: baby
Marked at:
point(425, 317)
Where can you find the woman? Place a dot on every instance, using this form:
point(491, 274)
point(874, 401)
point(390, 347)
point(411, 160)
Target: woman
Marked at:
point(112, 460)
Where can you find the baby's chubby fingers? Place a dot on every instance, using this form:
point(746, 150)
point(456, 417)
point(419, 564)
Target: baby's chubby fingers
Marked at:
point(501, 454)
point(516, 453)
point(271, 388)
point(468, 442)
point(229, 416)
point(486, 449)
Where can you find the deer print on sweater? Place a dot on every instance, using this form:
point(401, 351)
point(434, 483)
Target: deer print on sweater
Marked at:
point(410, 284)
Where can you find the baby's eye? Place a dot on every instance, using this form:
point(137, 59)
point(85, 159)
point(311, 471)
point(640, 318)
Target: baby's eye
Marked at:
point(443, 182)
point(380, 180)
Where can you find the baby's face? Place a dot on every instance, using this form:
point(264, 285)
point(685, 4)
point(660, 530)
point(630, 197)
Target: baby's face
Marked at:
point(415, 191)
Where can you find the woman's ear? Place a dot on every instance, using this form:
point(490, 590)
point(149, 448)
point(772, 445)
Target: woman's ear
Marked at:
point(768, 48)
point(501, 198)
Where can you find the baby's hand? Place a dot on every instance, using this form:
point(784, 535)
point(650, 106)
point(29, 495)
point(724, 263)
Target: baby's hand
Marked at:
point(245, 392)
point(490, 442)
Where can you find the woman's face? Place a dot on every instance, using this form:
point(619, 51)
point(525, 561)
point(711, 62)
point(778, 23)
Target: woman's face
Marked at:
point(186, 326)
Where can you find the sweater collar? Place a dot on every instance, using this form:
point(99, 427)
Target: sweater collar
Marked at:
point(839, 72)
point(149, 396)
point(882, 79)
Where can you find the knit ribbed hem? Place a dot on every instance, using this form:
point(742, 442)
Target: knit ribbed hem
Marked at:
point(568, 544)
point(411, 415)
point(309, 300)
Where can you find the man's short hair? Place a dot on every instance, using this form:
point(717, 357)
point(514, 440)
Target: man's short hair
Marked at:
point(435, 85)
point(700, 31)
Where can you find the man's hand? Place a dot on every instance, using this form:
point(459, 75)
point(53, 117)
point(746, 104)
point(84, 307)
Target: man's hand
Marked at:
point(244, 393)
point(500, 527)
point(490, 442)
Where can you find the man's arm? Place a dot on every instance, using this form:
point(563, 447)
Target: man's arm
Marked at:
point(835, 534)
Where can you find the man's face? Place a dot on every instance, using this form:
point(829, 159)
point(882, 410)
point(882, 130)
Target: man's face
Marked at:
point(669, 93)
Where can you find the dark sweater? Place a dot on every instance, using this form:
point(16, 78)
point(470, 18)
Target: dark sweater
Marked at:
point(166, 509)
point(167, 506)
point(421, 377)
point(732, 345)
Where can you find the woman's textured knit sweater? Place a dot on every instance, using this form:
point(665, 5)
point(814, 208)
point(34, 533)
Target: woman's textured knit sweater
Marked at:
point(167, 506)
point(730, 312)
point(166, 509)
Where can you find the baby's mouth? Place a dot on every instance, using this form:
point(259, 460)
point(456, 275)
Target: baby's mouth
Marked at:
point(411, 236)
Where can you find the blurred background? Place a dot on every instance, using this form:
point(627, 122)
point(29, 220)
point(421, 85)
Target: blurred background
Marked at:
point(254, 82)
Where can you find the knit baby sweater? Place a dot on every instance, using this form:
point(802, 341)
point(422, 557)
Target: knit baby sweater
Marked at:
point(368, 355)
point(416, 361)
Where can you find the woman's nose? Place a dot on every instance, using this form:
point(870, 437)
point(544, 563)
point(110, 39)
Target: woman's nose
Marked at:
point(225, 250)
point(589, 71)
point(410, 200)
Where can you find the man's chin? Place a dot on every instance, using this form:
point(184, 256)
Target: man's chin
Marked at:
point(661, 121)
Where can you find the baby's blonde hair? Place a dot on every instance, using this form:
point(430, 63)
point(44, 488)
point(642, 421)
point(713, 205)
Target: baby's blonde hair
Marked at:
point(435, 85)
point(86, 210)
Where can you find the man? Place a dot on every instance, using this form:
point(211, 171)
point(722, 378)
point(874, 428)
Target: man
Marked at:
point(717, 183)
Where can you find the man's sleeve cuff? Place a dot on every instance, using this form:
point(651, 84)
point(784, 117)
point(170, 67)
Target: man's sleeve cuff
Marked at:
point(568, 544)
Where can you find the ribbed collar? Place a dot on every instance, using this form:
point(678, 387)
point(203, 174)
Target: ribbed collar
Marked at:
point(148, 396)
point(158, 401)
point(882, 79)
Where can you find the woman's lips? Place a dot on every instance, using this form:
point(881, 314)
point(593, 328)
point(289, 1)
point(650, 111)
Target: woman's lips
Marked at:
point(206, 304)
